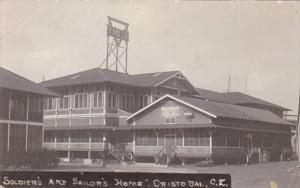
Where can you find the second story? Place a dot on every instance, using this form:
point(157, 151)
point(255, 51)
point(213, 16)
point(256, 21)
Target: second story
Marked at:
point(21, 100)
point(102, 91)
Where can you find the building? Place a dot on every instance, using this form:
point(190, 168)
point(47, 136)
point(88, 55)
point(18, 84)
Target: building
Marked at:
point(21, 113)
point(158, 116)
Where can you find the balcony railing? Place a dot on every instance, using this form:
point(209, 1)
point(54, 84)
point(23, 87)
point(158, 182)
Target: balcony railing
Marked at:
point(74, 145)
point(222, 150)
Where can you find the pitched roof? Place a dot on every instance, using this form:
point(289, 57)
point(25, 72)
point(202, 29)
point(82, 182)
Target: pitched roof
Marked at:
point(97, 75)
point(236, 111)
point(235, 98)
point(13, 81)
point(216, 109)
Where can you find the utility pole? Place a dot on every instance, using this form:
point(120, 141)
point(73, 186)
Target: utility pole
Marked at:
point(228, 88)
point(298, 130)
point(246, 84)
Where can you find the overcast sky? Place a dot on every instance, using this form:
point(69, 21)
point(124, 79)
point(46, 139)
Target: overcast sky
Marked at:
point(257, 43)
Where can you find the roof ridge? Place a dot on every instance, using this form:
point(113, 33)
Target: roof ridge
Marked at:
point(155, 72)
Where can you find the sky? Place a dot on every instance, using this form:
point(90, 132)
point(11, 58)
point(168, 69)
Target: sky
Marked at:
point(256, 43)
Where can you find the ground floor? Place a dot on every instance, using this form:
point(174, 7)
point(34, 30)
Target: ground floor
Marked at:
point(18, 138)
point(156, 145)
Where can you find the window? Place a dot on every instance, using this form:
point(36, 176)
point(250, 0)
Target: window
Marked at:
point(126, 102)
point(62, 137)
point(97, 137)
point(18, 106)
point(49, 137)
point(179, 138)
point(80, 137)
point(81, 100)
point(257, 140)
point(64, 101)
point(143, 101)
point(35, 112)
point(131, 103)
point(4, 98)
point(170, 120)
point(191, 138)
point(50, 103)
point(111, 100)
point(219, 139)
point(267, 140)
point(146, 139)
point(98, 99)
point(198, 137)
point(233, 139)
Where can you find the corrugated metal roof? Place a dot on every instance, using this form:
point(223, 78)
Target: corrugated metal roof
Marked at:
point(235, 111)
point(235, 98)
point(13, 81)
point(97, 75)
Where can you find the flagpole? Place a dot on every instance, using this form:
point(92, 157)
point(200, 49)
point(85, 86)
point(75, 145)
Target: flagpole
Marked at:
point(298, 130)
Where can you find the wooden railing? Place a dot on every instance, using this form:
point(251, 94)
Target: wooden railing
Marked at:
point(122, 156)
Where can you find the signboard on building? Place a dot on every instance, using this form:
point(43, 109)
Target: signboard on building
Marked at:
point(169, 111)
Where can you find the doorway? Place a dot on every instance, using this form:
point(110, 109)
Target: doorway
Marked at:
point(170, 143)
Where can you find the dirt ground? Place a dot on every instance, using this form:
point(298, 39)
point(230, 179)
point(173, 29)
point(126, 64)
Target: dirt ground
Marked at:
point(279, 174)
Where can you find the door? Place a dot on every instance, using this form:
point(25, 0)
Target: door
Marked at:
point(170, 143)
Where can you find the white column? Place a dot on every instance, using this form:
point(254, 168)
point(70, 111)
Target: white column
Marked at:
point(55, 141)
point(69, 141)
point(104, 99)
point(133, 142)
point(8, 136)
point(26, 141)
point(225, 133)
point(9, 104)
point(27, 119)
point(27, 106)
point(239, 144)
point(90, 141)
point(43, 136)
point(91, 104)
point(210, 141)
point(8, 125)
point(183, 137)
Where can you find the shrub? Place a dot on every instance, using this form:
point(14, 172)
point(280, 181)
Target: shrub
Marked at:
point(32, 159)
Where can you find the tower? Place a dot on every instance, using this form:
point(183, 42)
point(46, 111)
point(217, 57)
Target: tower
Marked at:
point(117, 45)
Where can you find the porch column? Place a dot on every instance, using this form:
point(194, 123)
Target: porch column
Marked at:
point(183, 137)
point(26, 138)
point(9, 114)
point(210, 141)
point(69, 141)
point(157, 137)
point(225, 135)
point(9, 104)
point(239, 133)
point(90, 141)
point(104, 99)
point(8, 136)
point(27, 119)
point(133, 142)
point(54, 140)
point(91, 100)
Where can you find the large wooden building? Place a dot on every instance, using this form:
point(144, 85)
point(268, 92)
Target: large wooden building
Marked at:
point(21, 113)
point(156, 115)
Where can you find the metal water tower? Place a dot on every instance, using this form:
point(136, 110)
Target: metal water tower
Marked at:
point(117, 45)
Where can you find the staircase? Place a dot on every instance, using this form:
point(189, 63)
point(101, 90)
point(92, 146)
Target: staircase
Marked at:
point(164, 159)
point(122, 156)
